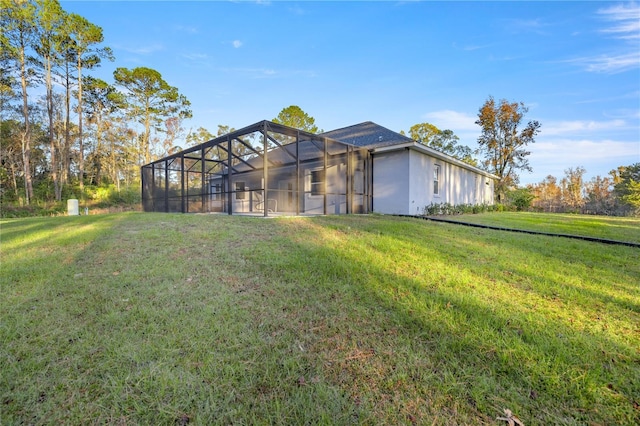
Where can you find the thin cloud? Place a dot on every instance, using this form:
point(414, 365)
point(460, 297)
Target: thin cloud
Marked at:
point(577, 127)
point(257, 73)
point(471, 47)
point(630, 95)
point(625, 21)
point(609, 63)
point(454, 120)
point(580, 151)
point(527, 26)
point(237, 44)
point(186, 29)
point(196, 56)
point(623, 24)
point(297, 10)
point(252, 72)
point(143, 50)
point(475, 47)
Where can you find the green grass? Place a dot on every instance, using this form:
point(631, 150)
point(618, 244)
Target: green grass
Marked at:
point(606, 227)
point(205, 319)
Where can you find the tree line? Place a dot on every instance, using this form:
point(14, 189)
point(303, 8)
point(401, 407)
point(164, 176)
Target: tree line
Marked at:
point(616, 194)
point(60, 127)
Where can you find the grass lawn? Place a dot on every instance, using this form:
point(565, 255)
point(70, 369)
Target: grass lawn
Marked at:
point(611, 228)
point(204, 319)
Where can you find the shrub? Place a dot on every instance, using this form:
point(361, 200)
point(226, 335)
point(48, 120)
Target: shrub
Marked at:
point(47, 209)
point(101, 197)
point(108, 195)
point(450, 209)
point(128, 195)
point(520, 198)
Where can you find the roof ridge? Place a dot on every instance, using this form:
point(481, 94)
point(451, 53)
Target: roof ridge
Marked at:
point(352, 125)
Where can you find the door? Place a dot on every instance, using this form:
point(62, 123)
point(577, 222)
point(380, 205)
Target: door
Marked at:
point(286, 199)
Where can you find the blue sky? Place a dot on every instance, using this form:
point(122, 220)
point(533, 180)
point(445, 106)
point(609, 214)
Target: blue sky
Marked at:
point(575, 65)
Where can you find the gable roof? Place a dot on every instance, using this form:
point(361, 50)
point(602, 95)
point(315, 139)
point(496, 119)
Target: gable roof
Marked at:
point(368, 135)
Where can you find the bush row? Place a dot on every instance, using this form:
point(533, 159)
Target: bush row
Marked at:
point(451, 209)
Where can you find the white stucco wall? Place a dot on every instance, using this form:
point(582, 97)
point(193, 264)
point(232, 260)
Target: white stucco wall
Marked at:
point(403, 183)
point(467, 187)
point(421, 175)
point(391, 182)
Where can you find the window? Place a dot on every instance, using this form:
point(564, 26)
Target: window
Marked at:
point(317, 182)
point(436, 179)
point(240, 188)
point(289, 193)
point(215, 191)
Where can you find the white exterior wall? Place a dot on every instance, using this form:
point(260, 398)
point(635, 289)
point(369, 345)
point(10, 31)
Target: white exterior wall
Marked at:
point(457, 184)
point(466, 187)
point(391, 182)
point(403, 183)
point(421, 171)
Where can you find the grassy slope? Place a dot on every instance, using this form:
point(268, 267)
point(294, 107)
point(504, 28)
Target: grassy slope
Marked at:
point(612, 228)
point(159, 318)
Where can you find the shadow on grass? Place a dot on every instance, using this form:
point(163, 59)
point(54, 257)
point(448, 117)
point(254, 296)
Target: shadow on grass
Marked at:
point(25, 234)
point(302, 321)
point(586, 269)
point(490, 355)
point(593, 265)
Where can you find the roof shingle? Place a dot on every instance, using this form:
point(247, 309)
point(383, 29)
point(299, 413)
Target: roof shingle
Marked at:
point(368, 135)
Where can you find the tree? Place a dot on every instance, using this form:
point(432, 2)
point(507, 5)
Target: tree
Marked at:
point(521, 198)
point(8, 82)
point(201, 135)
point(173, 132)
point(628, 186)
point(599, 195)
point(10, 157)
point(223, 129)
point(424, 133)
point(122, 153)
point(150, 100)
point(100, 100)
point(502, 144)
point(84, 36)
point(51, 20)
point(548, 196)
point(444, 141)
point(294, 116)
point(17, 19)
point(573, 188)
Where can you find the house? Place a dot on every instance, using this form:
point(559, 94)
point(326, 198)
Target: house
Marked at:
point(409, 176)
point(268, 168)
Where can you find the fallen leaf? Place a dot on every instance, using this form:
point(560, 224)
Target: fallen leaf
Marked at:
point(510, 418)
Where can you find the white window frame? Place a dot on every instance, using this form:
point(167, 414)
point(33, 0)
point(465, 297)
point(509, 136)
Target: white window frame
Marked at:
point(436, 179)
point(241, 189)
point(316, 189)
point(216, 190)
